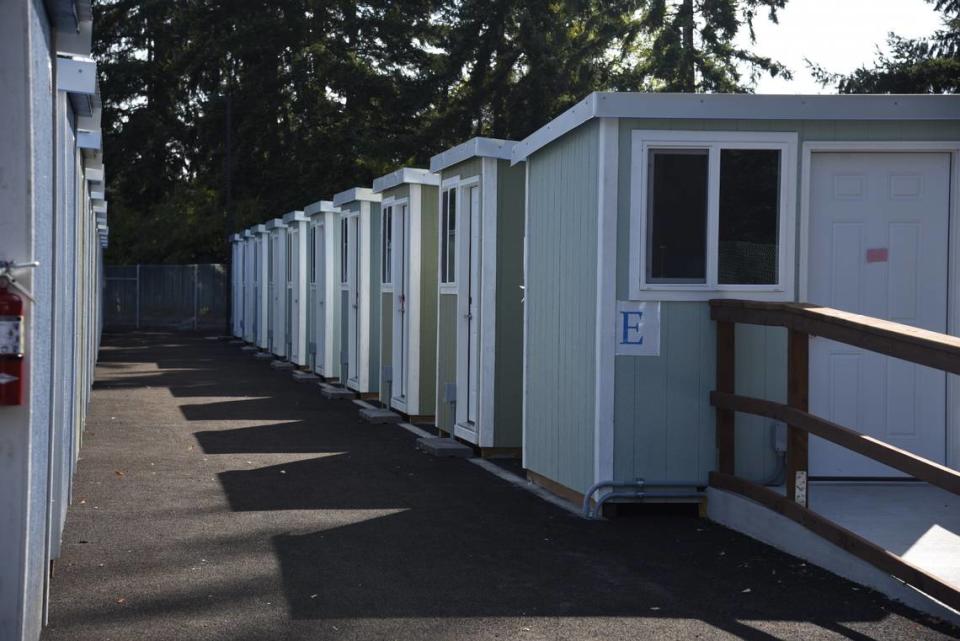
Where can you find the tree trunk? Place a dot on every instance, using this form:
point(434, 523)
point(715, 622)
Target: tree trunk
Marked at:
point(688, 78)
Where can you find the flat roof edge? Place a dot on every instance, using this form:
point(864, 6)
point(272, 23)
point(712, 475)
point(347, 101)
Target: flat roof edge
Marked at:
point(355, 194)
point(478, 147)
point(321, 207)
point(405, 176)
point(741, 107)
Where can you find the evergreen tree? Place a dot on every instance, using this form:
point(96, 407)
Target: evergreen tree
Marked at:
point(924, 65)
point(694, 49)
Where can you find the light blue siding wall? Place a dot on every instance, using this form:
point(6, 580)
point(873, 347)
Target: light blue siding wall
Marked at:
point(561, 299)
point(664, 425)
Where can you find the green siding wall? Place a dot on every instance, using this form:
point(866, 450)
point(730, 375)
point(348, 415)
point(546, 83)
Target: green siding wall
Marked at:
point(386, 344)
point(664, 425)
point(465, 169)
point(561, 307)
point(429, 259)
point(400, 191)
point(446, 358)
point(508, 378)
point(374, 334)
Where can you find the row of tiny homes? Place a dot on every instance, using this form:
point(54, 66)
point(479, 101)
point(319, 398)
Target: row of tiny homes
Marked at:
point(409, 292)
point(552, 294)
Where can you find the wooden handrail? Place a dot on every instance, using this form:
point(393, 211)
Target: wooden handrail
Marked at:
point(841, 537)
point(803, 321)
point(914, 465)
point(920, 346)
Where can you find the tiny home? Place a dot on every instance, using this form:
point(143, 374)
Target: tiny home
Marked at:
point(276, 287)
point(236, 284)
point(261, 295)
point(409, 235)
point(249, 286)
point(642, 207)
point(295, 302)
point(323, 289)
point(479, 311)
point(360, 289)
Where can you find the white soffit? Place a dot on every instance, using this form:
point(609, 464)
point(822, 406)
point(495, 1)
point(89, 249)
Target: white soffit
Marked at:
point(473, 148)
point(740, 107)
point(276, 223)
point(405, 176)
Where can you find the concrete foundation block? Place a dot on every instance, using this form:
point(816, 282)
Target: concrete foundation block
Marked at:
point(301, 376)
point(263, 355)
point(444, 447)
point(379, 415)
point(280, 364)
point(336, 393)
point(249, 348)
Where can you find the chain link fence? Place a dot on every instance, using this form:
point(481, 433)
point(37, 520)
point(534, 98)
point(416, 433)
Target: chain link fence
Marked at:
point(184, 297)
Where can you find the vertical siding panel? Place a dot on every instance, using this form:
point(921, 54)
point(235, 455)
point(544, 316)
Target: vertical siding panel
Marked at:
point(561, 299)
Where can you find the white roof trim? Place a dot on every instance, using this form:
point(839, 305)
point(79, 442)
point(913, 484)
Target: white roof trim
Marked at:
point(405, 176)
point(740, 107)
point(473, 148)
point(259, 229)
point(247, 234)
point(321, 207)
point(354, 195)
point(276, 223)
point(235, 238)
point(293, 216)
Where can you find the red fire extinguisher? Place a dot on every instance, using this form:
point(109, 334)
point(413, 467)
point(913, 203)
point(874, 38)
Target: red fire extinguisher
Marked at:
point(11, 345)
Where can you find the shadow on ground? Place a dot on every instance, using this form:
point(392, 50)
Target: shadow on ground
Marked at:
point(318, 518)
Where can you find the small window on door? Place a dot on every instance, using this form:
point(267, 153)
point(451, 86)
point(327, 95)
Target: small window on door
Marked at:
point(289, 256)
point(312, 252)
point(386, 249)
point(448, 236)
point(343, 250)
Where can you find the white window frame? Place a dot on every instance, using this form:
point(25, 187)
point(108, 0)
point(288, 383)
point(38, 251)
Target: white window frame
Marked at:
point(642, 142)
point(456, 184)
point(388, 203)
point(344, 266)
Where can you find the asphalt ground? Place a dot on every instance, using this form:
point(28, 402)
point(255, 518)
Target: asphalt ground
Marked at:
point(216, 498)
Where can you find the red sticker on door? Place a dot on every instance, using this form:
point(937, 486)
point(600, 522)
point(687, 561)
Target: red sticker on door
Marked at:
point(877, 255)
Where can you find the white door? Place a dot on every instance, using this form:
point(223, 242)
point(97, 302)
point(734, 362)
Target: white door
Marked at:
point(878, 247)
point(468, 336)
point(272, 289)
point(400, 244)
point(320, 299)
point(353, 298)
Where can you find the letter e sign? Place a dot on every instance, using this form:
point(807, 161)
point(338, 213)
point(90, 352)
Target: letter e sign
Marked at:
point(638, 328)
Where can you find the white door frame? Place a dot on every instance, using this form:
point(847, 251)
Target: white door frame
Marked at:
point(952, 446)
point(318, 292)
point(399, 287)
point(353, 299)
point(462, 427)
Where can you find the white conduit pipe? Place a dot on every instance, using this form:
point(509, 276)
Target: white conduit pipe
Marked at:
point(638, 491)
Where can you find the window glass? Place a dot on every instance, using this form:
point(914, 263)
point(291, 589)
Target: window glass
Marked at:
point(386, 240)
point(289, 255)
point(312, 252)
point(677, 217)
point(749, 216)
point(343, 250)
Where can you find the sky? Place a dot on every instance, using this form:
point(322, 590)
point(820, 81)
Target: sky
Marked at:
point(839, 35)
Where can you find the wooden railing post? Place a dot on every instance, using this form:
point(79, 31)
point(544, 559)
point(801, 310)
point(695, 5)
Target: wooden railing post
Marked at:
point(726, 374)
point(798, 381)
